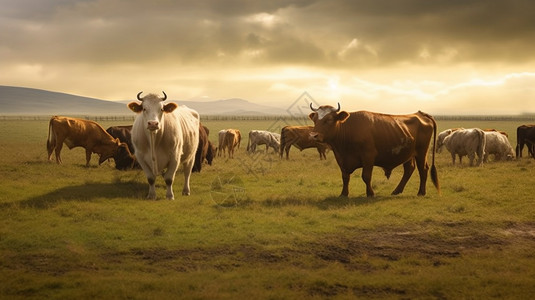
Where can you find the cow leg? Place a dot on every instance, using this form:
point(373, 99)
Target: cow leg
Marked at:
point(453, 158)
point(50, 148)
point(471, 157)
point(345, 182)
point(169, 177)
point(87, 157)
point(57, 151)
point(367, 178)
point(423, 170)
point(408, 169)
point(187, 175)
point(151, 178)
point(287, 150)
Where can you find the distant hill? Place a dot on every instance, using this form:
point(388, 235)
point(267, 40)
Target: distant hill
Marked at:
point(28, 101)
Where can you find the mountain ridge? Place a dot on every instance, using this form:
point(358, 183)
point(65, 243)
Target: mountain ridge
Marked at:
point(31, 101)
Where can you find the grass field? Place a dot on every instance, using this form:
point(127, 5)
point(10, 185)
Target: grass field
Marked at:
point(256, 226)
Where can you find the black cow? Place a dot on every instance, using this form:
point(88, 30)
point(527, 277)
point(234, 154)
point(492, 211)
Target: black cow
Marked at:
point(525, 134)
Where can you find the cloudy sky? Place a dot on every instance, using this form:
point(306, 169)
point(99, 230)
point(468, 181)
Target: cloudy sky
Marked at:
point(396, 56)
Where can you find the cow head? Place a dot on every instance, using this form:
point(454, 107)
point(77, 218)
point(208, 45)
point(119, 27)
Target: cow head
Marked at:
point(326, 119)
point(107, 149)
point(123, 158)
point(152, 107)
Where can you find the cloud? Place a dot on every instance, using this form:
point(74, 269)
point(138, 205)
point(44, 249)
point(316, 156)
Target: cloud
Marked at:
point(406, 54)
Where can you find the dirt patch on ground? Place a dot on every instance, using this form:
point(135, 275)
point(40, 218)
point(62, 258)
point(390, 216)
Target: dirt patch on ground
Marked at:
point(357, 250)
point(348, 247)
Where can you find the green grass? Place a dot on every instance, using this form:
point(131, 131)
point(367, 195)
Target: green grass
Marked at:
point(256, 226)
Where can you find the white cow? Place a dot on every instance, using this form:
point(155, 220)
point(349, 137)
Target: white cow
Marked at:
point(221, 142)
point(441, 136)
point(164, 136)
point(498, 144)
point(466, 142)
point(262, 137)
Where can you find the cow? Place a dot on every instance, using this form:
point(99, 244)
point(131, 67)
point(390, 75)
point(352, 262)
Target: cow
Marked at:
point(229, 139)
point(441, 136)
point(205, 150)
point(299, 136)
point(525, 135)
point(262, 137)
point(81, 133)
point(124, 160)
point(470, 142)
point(123, 133)
point(498, 144)
point(364, 139)
point(164, 136)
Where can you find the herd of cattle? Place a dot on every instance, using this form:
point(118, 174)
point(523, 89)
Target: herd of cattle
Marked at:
point(165, 136)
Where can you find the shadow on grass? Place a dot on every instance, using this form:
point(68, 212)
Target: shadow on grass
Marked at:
point(327, 203)
point(335, 202)
point(85, 192)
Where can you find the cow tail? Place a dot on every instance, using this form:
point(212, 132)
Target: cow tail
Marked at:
point(434, 173)
point(51, 139)
point(482, 145)
point(283, 142)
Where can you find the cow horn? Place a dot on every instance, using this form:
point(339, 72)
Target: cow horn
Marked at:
point(338, 107)
point(139, 94)
point(164, 96)
point(313, 109)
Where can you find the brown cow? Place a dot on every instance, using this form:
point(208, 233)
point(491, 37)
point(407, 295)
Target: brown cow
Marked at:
point(81, 133)
point(205, 150)
point(299, 136)
point(365, 139)
point(229, 139)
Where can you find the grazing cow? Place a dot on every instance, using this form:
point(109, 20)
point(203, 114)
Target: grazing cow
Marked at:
point(124, 160)
point(229, 139)
point(470, 142)
point(498, 144)
point(299, 136)
point(441, 136)
point(365, 139)
point(164, 136)
point(123, 133)
point(525, 135)
point(262, 137)
point(205, 150)
point(81, 133)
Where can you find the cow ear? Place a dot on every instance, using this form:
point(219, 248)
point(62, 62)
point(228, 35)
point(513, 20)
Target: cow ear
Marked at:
point(342, 116)
point(135, 107)
point(169, 107)
point(312, 115)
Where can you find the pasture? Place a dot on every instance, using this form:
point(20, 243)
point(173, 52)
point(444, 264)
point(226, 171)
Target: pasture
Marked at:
point(259, 227)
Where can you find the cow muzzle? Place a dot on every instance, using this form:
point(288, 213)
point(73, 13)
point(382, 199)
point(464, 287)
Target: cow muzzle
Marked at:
point(153, 125)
